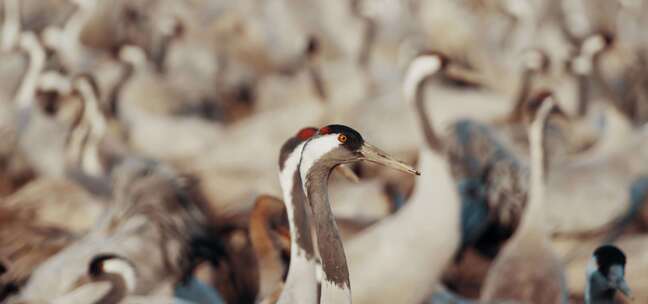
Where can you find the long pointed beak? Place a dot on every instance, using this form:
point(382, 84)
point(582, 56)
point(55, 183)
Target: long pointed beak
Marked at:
point(618, 282)
point(348, 173)
point(623, 287)
point(375, 155)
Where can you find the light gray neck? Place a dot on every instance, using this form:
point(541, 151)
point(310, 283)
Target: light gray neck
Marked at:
point(336, 284)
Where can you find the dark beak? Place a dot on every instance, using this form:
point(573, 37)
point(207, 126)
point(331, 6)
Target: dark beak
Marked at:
point(375, 155)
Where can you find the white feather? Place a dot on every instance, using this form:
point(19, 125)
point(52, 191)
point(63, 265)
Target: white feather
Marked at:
point(420, 68)
point(286, 182)
point(313, 150)
point(582, 65)
point(533, 59)
point(593, 45)
point(25, 94)
point(11, 25)
point(123, 268)
point(300, 285)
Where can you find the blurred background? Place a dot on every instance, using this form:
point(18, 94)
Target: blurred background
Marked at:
point(151, 129)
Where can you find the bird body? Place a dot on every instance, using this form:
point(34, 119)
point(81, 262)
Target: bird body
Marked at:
point(424, 233)
point(527, 268)
point(492, 179)
point(524, 275)
point(143, 192)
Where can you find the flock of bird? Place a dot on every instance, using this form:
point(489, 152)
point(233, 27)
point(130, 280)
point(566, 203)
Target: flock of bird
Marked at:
point(139, 146)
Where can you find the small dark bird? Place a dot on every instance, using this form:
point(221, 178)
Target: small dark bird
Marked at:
point(606, 275)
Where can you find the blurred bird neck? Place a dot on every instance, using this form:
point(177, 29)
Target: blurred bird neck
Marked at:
point(25, 94)
point(429, 135)
point(74, 26)
point(11, 24)
point(534, 215)
point(268, 257)
point(522, 96)
point(91, 163)
point(117, 291)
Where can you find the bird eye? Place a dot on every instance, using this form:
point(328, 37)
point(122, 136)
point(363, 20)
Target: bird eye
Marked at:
point(342, 138)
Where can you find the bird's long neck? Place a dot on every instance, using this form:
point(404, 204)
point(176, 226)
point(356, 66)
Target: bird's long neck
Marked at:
point(11, 25)
point(72, 29)
point(76, 141)
point(533, 219)
point(268, 256)
point(336, 286)
point(117, 291)
point(113, 99)
point(430, 136)
point(91, 163)
point(522, 96)
point(296, 206)
point(301, 284)
point(583, 95)
point(25, 94)
point(160, 53)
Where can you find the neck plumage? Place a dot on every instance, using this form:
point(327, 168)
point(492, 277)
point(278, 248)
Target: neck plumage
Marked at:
point(533, 219)
point(113, 98)
point(522, 96)
point(583, 95)
point(271, 268)
point(296, 206)
point(301, 284)
point(11, 26)
point(118, 290)
point(25, 94)
point(91, 164)
point(76, 141)
point(336, 287)
point(430, 137)
point(71, 40)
